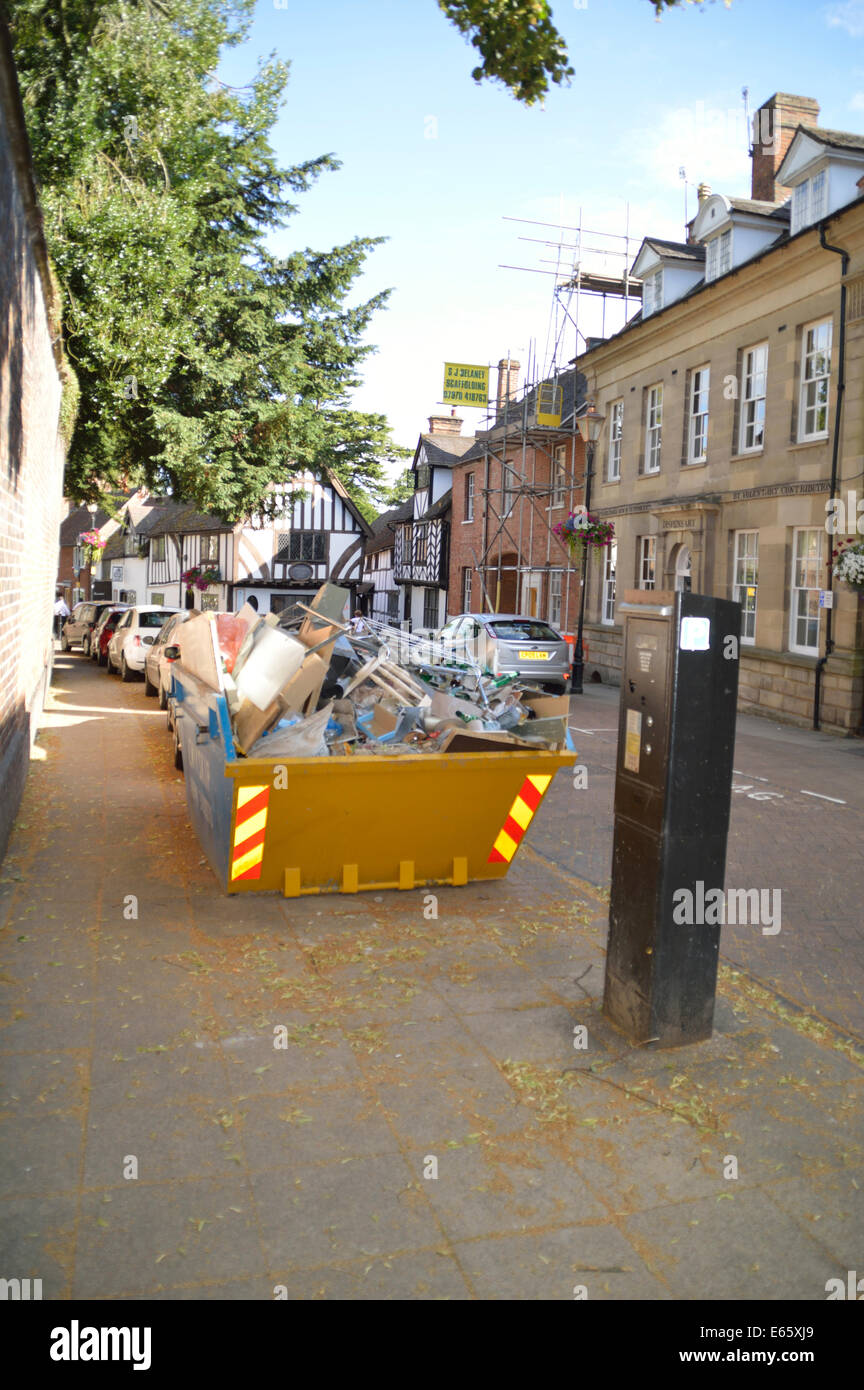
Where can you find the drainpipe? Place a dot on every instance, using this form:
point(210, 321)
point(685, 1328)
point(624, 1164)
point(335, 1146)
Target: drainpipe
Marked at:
point(835, 457)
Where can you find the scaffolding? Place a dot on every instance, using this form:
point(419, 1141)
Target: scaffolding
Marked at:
point(518, 432)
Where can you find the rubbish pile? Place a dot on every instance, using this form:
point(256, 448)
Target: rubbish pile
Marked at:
point(312, 687)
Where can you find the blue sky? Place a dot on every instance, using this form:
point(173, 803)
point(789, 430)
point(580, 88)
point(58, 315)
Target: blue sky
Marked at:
point(436, 163)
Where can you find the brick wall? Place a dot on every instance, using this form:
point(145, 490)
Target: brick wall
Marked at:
point(525, 540)
point(31, 452)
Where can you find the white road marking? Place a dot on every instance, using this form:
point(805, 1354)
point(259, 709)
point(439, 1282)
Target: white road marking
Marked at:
point(577, 730)
point(750, 774)
point(835, 799)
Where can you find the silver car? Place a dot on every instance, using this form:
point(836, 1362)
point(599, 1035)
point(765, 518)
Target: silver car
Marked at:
point(157, 666)
point(510, 644)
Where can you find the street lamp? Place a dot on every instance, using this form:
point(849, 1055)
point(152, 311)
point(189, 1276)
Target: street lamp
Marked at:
point(590, 426)
point(92, 508)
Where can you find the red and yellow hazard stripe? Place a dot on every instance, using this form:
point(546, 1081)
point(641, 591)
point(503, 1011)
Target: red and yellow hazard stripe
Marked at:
point(519, 817)
point(250, 825)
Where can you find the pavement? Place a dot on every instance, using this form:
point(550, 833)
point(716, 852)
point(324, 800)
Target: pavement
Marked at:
point(386, 1096)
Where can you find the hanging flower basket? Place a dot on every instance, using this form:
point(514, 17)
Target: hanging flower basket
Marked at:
point(92, 546)
point(583, 530)
point(201, 577)
point(849, 564)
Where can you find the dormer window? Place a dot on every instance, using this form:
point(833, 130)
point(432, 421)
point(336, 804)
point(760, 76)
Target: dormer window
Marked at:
point(809, 201)
point(652, 293)
point(718, 255)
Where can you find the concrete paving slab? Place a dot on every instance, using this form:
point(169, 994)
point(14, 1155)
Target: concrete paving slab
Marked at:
point(741, 1248)
point(596, 1262)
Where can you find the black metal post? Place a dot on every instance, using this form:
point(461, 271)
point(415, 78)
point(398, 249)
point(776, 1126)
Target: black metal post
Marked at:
point(579, 655)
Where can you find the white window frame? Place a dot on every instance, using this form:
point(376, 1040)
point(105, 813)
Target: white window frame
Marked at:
point(467, 580)
point(469, 497)
point(556, 597)
point(616, 436)
point(818, 195)
point(813, 571)
point(809, 357)
point(697, 423)
point(610, 564)
point(724, 252)
point(652, 293)
point(712, 250)
point(750, 419)
point(653, 428)
point(745, 581)
point(160, 550)
point(647, 576)
point(800, 205)
point(559, 476)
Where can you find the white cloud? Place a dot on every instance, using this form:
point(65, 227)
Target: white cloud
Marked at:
point(710, 142)
point(849, 16)
point(857, 102)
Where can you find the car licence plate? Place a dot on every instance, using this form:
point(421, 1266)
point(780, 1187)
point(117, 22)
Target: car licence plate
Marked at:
point(534, 656)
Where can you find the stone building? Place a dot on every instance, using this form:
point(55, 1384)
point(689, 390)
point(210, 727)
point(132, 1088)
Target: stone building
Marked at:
point(32, 372)
point(734, 405)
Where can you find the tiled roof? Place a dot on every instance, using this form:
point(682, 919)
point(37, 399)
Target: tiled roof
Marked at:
point(80, 520)
point(840, 139)
point(778, 210)
point(176, 518)
point(676, 250)
point(383, 527)
point(445, 449)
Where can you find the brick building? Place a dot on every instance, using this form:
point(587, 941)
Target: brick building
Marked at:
point(32, 370)
point(517, 481)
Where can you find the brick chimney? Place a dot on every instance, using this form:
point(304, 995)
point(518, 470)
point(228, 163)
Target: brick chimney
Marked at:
point(508, 381)
point(774, 126)
point(445, 424)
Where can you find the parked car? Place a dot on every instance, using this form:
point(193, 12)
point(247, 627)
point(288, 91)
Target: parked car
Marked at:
point(136, 631)
point(102, 633)
point(510, 644)
point(78, 627)
point(157, 666)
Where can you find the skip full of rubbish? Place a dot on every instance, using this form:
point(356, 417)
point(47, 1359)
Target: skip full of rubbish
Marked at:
point(309, 686)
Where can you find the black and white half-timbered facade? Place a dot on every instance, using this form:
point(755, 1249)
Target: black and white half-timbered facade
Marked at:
point(421, 557)
point(384, 599)
point(317, 537)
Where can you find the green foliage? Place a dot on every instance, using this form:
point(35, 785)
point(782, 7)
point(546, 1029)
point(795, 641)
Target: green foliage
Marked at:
point(661, 5)
point(517, 41)
point(206, 364)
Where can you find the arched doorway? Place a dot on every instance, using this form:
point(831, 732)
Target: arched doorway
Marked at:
point(683, 568)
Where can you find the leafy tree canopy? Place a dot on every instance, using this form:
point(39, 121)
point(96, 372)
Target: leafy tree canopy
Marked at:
point(518, 43)
point(206, 363)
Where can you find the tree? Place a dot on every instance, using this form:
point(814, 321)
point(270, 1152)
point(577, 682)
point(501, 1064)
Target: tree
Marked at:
point(206, 364)
point(519, 44)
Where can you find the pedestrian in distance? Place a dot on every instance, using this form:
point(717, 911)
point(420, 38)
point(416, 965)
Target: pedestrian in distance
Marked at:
point(359, 625)
point(61, 613)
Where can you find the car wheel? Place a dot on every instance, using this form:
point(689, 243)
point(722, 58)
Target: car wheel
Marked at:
point(64, 642)
point(85, 645)
point(178, 752)
point(149, 687)
point(125, 673)
point(102, 658)
point(109, 662)
point(163, 697)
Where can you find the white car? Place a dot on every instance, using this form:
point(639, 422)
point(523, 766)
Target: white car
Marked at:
point(136, 632)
